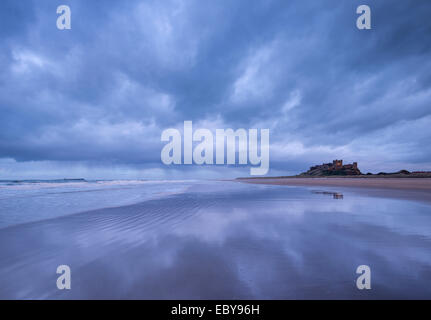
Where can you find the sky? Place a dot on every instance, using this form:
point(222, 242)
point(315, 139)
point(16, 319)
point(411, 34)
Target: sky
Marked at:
point(91, 102)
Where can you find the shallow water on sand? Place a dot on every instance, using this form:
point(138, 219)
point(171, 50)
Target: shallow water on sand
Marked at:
point(211, 240)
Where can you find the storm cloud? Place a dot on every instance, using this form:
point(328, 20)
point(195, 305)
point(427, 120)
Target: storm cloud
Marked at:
point(92, 101)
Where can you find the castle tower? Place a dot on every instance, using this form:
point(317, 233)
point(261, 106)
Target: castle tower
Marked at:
point(337, 163)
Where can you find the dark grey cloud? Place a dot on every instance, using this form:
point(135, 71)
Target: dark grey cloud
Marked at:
point(102, 92)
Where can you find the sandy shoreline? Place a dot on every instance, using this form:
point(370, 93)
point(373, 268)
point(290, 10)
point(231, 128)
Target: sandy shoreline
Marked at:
point(403, 188)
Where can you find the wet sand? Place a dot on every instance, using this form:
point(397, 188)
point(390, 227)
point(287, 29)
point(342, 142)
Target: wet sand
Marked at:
point(402, 188)
point(217, 240)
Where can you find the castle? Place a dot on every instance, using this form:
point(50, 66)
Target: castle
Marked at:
point(333, 169)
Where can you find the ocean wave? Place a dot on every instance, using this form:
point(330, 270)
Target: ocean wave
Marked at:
point(39, 184)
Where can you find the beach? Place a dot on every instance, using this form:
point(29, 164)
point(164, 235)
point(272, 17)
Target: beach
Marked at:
point(210, 240)
point(402, 188)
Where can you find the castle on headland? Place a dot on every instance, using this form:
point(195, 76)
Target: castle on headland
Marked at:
point(336, 168)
